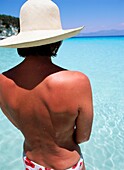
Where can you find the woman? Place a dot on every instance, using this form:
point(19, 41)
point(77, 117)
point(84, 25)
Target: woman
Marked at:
point(51, 106)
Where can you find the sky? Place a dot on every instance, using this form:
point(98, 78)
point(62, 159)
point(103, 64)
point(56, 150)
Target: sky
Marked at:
point(95, 15)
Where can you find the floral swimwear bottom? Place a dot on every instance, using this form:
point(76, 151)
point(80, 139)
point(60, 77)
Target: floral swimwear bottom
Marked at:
point(30, 165)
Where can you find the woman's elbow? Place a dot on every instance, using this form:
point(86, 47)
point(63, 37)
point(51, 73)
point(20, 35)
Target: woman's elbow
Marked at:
point(82, 140)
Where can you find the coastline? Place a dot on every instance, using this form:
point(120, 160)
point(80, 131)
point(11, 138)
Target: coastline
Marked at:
point(99, 36)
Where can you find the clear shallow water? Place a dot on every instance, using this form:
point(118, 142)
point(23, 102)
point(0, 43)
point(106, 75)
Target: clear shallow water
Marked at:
point(102, 59)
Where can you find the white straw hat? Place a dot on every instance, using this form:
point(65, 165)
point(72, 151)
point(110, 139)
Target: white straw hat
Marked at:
point(40, 24)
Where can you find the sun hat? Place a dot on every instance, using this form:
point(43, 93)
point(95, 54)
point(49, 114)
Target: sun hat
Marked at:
point(40, 24)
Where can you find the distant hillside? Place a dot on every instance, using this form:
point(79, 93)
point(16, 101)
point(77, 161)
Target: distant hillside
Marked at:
point(9, 25)
point(6, 21)
point(103, 33)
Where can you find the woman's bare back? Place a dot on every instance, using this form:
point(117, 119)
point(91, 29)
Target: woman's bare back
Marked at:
point(46, 116)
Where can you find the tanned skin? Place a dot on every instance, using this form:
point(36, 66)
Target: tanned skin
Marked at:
point(52, 107)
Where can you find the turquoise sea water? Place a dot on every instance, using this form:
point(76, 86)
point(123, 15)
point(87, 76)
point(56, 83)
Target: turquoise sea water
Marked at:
point(102, 60)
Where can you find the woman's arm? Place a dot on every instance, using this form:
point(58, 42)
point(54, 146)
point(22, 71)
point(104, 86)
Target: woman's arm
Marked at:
point(85, 114)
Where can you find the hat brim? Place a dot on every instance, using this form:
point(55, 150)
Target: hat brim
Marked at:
point(38, 37)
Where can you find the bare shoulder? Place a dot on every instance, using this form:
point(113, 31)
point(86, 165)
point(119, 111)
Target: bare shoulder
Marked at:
point(5, 81)
point(1, 77)
point(8, 90)
point(2, 80)
point(7, 86)
point(67, 88)
point(67, 79)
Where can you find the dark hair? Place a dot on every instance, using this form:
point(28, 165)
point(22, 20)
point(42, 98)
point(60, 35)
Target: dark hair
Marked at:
point(44, 50)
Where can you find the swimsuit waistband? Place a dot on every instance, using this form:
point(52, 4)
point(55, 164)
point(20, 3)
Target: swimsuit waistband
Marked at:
point(30, 165)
